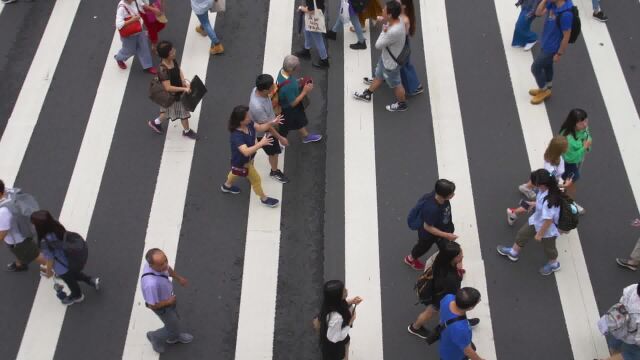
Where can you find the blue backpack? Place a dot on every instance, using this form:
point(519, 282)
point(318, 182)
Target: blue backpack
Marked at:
point(414, 219)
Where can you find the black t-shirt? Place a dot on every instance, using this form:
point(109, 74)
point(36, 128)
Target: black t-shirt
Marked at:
point(173, 75)
point(436, 215)
point(446, 282)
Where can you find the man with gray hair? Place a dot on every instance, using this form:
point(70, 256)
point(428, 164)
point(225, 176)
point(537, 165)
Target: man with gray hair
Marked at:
point(292, 93)
point(157, 291)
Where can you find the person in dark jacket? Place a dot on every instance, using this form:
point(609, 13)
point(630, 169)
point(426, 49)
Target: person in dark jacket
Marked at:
point(314, 39)
point(447, 279)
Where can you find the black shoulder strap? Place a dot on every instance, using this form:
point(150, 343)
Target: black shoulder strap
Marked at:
point(147, 274)
point(455, 319)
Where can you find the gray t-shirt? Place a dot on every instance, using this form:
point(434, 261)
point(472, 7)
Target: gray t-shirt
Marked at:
point(394, 38)
point(260, 110)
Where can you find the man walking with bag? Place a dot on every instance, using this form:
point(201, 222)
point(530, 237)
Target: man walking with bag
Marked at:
point(315, 9)
point(455, 338)
point(157, 291)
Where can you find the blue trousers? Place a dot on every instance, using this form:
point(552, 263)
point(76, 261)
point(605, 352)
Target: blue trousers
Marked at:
point(138, 45)
point(206, 25)
point(317, 40)
point(409, 77)
point(523, 35)
point(356, 26)
point(542, 69)
point(596, 5)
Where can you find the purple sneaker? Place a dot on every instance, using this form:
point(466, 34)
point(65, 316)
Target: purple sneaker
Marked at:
point(155, 127)
point(311, 138)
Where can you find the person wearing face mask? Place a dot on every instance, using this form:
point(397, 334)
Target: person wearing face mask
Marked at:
point(542, 223)
point(335, 320)
point(157, 291)
point(576, 129)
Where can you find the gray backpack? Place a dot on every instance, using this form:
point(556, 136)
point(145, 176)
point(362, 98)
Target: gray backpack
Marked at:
point(21, 206)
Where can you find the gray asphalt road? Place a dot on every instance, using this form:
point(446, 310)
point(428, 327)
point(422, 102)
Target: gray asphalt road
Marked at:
point(526, 310)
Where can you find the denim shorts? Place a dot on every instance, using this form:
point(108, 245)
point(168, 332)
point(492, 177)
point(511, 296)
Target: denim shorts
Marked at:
point(571, 169)
point(391, 77)
point(629, 352)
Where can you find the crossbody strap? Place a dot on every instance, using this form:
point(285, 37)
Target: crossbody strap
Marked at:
point(159, 275)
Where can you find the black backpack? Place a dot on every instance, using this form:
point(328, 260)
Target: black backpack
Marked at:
point(569, 217)
point(76, 251)
point(576, 25)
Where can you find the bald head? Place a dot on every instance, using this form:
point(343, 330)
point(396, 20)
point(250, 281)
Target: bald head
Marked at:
point(156, 259)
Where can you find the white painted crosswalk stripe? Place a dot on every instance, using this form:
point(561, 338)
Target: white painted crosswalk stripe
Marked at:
point(26, 111)
point(47, 314)
point(167, 208)
point(452, 158)
point(262, 248)
point(574, 285)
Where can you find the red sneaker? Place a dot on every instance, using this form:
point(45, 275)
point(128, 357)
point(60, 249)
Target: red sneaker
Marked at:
point(415, 264)
point(121, 64)
point(152, 70)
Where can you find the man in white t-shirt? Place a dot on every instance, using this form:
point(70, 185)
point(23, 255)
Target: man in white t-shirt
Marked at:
point(24, 249)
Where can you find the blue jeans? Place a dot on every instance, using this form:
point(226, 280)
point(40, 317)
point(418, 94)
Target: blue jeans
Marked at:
point(318, 42)
point(596, 5)
point(629, 352)
point(138, 45)
point(206, 25)
point(542, 69)
point(409, 77)
point(356, 26)
point(523, 35)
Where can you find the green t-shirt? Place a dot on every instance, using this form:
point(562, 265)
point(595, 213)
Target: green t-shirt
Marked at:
point(289, 92)
point(575, 152)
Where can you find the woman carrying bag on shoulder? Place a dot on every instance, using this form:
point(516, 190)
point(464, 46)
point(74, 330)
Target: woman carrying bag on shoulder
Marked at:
point(154, 20)
point(134, 41)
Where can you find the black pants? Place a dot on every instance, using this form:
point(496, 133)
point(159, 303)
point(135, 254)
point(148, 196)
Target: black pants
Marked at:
point(71, 278)
point(425, 242)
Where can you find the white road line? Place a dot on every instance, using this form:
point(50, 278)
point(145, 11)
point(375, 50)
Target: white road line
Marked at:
point(574, 285)
point(262, 248)
point(47, 314)
point(34, 89)
point(452, 158)
point(167, 208)
point(361, 242)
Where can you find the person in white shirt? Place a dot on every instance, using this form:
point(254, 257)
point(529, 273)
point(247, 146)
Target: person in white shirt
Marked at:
point(335, 320)
point(542, 223)
point(135, 42)
point(554, 164)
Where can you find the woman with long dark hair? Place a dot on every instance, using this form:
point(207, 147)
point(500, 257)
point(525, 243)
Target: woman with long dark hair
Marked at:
point(50, 237)
point(243, 149)
point(447, 279)
point(576, 129)
point(542, 223)
point(335, 319)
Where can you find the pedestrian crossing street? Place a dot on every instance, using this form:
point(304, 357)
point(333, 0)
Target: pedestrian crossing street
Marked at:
point(256, 273)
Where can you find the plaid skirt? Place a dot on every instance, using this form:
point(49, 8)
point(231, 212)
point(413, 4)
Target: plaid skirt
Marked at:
point(176, 111)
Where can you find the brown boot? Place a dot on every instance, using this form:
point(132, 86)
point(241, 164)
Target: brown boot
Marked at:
point(217, 49)
point(200, 30)
point(541, 96)
point(534, 92)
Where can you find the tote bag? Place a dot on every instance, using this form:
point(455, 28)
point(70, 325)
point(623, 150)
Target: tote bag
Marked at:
point(315, 22)
point(344, 12)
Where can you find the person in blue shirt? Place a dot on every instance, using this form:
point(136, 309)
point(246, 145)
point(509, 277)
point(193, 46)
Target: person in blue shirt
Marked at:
point(455, 340)
point(555, 39)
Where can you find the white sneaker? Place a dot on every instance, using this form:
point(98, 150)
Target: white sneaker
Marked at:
point(526, 191)
point(530, 45)
point(511, 217)
point(581, 210)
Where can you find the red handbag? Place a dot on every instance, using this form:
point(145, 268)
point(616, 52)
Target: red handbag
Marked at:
point(131, 29)
point(239, 171)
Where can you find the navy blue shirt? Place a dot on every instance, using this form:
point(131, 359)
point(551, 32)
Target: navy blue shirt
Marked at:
point(457, 336)
point(552, 33)
point(436, 215)
point(239, 138)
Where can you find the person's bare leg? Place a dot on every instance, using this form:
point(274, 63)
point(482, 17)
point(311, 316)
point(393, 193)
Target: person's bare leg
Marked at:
point(375, 85)
point(273, 161)
point(303, 132)
point(400, 94)
point(424, 317)
point(346, 351)
point(185, 124)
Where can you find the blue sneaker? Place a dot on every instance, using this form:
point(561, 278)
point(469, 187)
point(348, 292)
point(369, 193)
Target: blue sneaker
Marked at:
point(549, 269)
point(270, 202)
point(508, 252)
point(230, 190)
point(311, 138)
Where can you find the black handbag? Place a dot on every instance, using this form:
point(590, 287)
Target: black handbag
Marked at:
point(191, 100)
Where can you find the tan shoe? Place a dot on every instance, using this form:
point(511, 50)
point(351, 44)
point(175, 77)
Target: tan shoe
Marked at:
point(364, 29)
point(538, 99)
point(200, 30)
point(534, 92)
point(217, 49)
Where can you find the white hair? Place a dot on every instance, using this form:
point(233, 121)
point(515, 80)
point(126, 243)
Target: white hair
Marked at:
point(290, 63)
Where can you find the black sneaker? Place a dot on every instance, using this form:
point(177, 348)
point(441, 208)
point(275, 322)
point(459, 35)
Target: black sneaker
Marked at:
point(155, 127)
point(270, 202)
point(364, 96)
point(190, 134)
point(13, 267)
point(474, 322)
point(303, 54)
point(331, 35)
point(421, 333)
point(359, 46)
point(397, 106)
point(600, 16)
point(321, 64)
point(367, 80)
point(279, 176)
point(418, 91)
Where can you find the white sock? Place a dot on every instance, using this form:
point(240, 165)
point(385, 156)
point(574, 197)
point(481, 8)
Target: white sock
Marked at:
point(157, 121)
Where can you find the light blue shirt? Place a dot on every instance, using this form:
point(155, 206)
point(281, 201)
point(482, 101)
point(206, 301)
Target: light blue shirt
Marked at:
point(156, 287)
point(51, 249)
point(542, 213)
point(200, 7)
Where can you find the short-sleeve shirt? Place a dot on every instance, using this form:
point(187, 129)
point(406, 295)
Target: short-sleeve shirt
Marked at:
point(457, 336)
point(260, 110)
point(288, 93)
point(156, 287)
point(542, 213)
point(6, 219)
point(552, 33)
point(52, 250)
point(173, 75)
point(239, 138)
point(555, 170)
point(436, 215)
